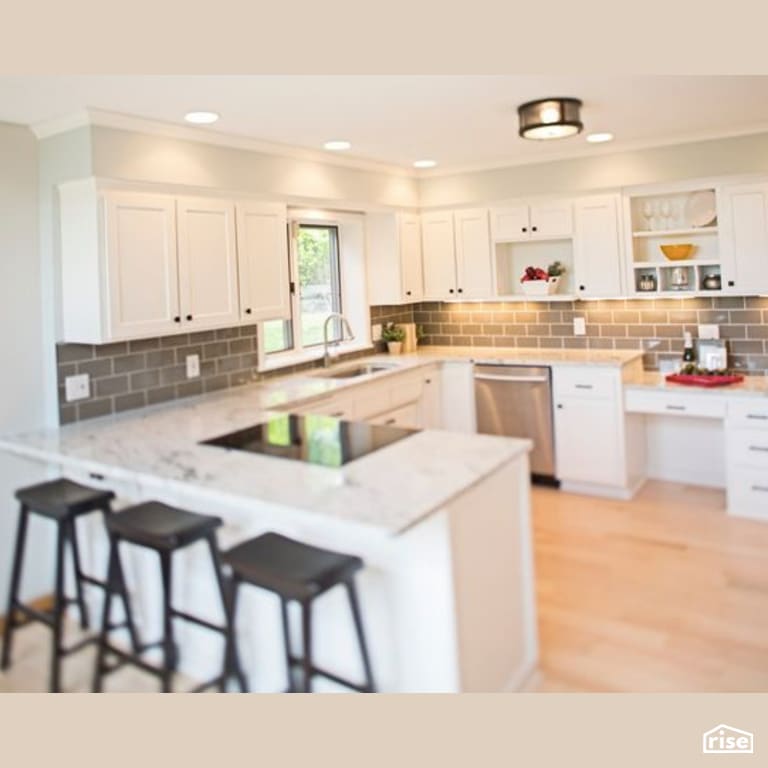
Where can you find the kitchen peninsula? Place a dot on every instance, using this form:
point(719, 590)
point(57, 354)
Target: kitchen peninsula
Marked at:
point(440, 518)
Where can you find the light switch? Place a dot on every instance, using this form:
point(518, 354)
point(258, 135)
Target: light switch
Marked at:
point(579, 326)
point(193, 366)
point(77, 387)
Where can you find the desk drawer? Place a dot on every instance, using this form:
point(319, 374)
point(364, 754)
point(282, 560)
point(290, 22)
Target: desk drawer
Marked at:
point(675, 403)
point(748, 413)
point(581, 382)
point(748, 492)
point(748, 447)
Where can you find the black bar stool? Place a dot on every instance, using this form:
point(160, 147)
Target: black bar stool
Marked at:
point(62, 501)
point(296, 571)
point(165, 530)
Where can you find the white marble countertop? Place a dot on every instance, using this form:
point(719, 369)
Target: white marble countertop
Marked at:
point(752, 386)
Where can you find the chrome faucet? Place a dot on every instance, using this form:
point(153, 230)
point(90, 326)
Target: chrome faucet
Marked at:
point(345, 328)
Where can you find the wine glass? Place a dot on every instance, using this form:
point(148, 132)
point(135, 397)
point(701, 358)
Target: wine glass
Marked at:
point(666, 212)
point(648, 214)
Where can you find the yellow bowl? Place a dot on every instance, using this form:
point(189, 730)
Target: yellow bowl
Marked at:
point(677, 252)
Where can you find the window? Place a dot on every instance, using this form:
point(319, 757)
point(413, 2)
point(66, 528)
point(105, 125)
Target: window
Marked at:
point(314, 256)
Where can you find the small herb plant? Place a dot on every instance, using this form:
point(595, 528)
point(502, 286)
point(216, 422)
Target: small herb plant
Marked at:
point(555, 269)
point(392, 332)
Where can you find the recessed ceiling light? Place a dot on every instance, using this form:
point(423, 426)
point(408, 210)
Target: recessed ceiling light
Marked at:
point(599, 138)
point(337, 145)
point(425, 164)
point(201, 117)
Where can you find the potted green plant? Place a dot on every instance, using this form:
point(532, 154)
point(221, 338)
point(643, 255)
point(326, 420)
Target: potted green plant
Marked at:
point(393, 335)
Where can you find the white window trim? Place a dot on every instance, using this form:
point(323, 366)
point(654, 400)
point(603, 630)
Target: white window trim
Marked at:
point(362, 340)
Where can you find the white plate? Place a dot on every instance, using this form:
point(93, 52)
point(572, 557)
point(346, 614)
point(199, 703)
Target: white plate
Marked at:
point(701, 208)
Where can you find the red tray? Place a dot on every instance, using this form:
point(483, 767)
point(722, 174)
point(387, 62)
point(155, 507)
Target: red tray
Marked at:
point(703, 380)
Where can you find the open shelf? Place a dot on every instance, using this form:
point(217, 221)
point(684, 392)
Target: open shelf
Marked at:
point(683, 263)
point(685, 232)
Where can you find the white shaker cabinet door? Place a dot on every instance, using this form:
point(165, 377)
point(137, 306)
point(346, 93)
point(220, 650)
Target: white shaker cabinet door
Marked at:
point(551, 221)
point(410, 257)
point(262, 241)
point(474, 272)
point(207, 263)
point(597, 252)
point(142, 268)
point(744, 238)
point(510, 223)
point(439, 255)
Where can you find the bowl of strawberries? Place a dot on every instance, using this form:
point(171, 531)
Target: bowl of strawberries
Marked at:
point(536, 281)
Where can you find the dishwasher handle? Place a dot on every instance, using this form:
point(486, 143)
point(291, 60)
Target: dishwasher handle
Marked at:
point(497, 377)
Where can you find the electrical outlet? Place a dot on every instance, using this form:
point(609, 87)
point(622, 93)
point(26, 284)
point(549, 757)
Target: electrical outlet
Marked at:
point(376, 332)
point(579, 326)
point(709, 331)
point(193, 366)
point(77, 387)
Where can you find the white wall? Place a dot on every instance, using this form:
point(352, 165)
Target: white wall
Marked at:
point(21, 345)
point(722, 157)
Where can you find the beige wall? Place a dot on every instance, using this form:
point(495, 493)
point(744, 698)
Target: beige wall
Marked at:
point(140, 157)
point(745, 154)
point(22, 390)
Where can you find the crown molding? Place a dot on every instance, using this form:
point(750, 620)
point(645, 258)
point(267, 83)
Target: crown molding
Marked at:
point(205, 135)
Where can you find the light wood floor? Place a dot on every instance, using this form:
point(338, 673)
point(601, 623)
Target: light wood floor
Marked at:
point(663, 593)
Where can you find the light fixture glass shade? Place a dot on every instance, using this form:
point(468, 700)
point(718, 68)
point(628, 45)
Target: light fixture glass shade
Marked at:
point(553, 118)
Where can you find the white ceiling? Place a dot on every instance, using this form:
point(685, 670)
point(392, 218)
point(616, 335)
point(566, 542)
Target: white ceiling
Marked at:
point(460, 121)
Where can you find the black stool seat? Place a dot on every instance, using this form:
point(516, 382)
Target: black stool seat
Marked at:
point(292, 569)
point(63, 498)
point(158, 526)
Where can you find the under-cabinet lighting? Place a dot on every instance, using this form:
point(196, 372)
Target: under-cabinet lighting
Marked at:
point(337, 145)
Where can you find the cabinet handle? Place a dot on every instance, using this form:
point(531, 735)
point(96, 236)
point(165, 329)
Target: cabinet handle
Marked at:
point(675, 407)
point(534, 229)
point(762, 448)
point(95, 476)
point(760, 416)
point(761, 488)
point(337, 415)
point(177, 319)
point(390, 421)
point(248, 311)
point(584, 386)
point(189, 317)
point(525, 229)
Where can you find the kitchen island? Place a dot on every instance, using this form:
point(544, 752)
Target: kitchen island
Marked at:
point(442, 520)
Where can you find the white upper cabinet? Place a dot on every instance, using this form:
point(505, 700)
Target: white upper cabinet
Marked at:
point(538, 221)
point(474, 270)
point(262, 248)
point(439, 255)
point(141, 265)
point(208, 289)
point(597, 246)
point(393, 246)
point(743, 219)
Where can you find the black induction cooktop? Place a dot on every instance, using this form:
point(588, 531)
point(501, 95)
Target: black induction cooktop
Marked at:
point(322, 440)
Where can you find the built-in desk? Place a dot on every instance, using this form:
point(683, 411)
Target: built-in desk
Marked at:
point(715, 437)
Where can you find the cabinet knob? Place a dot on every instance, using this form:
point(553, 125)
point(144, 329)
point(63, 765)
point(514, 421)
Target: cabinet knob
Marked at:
point(189, 317)
point(248, 311)
point(177, 319)
point(560, 406)
point(427, 381)
point(534, 229)
point(461, 290)
point(407, 293)
point(525, 229)
point(731, 283)
point(582, 288)
point(450, 290)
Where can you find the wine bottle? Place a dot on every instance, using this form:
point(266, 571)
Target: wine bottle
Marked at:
point(688, 355)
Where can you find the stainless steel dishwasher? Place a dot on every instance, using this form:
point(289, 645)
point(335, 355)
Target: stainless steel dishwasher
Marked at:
point(516, 401)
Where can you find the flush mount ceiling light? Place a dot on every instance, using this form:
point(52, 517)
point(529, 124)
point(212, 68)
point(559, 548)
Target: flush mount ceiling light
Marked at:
point(553, 118)
point(599, 138)
point(337, 145)
point(201, 117)
point(425, 164)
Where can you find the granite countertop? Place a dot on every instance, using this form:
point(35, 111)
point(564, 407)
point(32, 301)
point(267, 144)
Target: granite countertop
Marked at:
point(752, 386)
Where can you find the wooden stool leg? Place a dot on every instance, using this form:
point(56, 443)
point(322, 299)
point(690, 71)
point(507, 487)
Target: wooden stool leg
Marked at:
point(169, 646)
point(80, 592)
point(59, 607)
point(287, 644)
point(98, 672)
point(13, 591)
point(355, 606)
point(306, 637)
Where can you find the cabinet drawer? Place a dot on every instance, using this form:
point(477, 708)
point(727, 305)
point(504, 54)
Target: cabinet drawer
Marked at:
point(748, 447)
point(675, 403)
point(748, 492)
point(749, 413)
point(585, 383)
point(405, 389)
point(407, 416)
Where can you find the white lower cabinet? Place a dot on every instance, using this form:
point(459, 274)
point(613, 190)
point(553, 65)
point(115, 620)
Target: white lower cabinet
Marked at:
point(594, 449)
point(746, 436)
point(405, 416)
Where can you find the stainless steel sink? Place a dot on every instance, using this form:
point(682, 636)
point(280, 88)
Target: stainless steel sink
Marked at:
point(357, 370)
